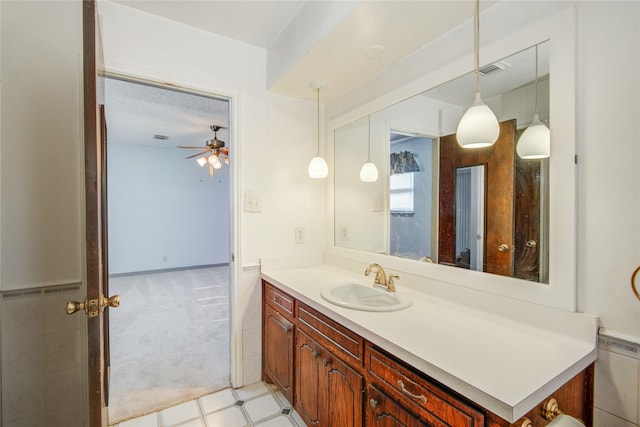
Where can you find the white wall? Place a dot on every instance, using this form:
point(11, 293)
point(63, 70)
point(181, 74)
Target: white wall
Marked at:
point(41, 230)
point(273, 138)
point(40, 169)
point(164, 211)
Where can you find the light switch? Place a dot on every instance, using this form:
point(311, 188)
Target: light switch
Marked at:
point(252, 202)
point(299, 235)
point(344, 233)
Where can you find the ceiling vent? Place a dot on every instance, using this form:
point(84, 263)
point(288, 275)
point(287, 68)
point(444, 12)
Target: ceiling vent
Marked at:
point(494, 68)
point(160, 137)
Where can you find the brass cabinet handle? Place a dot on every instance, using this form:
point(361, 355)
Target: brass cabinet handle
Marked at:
point(633, 282)
point(526, 422)
point(531, 244)
point(503, 247)
point(406, 392)
point(373, 403)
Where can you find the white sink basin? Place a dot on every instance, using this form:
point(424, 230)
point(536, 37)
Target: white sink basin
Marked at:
point(366, 298)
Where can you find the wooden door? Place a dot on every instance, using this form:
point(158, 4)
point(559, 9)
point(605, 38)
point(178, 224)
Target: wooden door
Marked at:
point(278, 348)
point(382, 411)
point(308, 371)
point(95, 225)
point(342, 394)
point(498, 160)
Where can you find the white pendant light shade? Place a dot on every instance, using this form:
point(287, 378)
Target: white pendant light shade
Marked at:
point(478, 127)
point(369, 172)
point(318, 168)
point(535, 141)
point(202, 161)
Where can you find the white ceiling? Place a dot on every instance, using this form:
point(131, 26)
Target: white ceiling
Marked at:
point(399, 26)
point(250, 21)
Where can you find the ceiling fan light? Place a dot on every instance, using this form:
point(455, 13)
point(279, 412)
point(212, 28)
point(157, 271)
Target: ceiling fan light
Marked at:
point(201, 161)
point(478, 127)
point(535, 141)
point(369, 172)
point(226, 160)
point(214, 160)
point(318, 168)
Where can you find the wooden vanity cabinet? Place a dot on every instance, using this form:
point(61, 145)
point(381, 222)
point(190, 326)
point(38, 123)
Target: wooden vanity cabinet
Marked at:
point(278, 339)
point(323, 368)
point(329, 383)
point(426, 400)
point(383, 411)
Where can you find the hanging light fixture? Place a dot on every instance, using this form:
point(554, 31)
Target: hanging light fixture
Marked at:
point(369, 171)
point(214, 151)
point(535, 141)
point(318, 166)
point(479, 126)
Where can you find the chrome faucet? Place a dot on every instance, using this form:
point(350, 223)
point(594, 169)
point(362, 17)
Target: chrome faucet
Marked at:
point(381, 278)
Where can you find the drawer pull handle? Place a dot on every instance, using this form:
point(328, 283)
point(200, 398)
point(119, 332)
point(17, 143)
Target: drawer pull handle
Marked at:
point(373, 403)
point(315, 354)
point(421, 397)
point(277, 299)
point(326, 362)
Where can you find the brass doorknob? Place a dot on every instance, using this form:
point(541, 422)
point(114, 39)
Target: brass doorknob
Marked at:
point(113, 301)
point(93, 307)
point(73, 306)
point(503, 247)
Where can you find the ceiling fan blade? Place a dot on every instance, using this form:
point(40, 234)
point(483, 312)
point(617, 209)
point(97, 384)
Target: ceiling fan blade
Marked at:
point(200, 147)
point(196, 155)
point(225, 151)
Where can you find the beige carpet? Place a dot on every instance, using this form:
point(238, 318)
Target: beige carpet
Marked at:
point(170, 339)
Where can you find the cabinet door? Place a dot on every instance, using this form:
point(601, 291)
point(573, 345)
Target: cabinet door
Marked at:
point(381, 411)
point(308, 372)
point(278, 347)
point(342, 402)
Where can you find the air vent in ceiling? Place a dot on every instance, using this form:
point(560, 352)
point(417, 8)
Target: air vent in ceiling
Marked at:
point(494, 68)
point(160, 137)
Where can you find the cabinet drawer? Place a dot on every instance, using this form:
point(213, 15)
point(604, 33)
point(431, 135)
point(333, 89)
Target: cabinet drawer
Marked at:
point(278, 300)
point(348, 345)
point(418, 394)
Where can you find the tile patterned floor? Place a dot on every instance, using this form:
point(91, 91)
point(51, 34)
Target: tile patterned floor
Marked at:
point(259, 405)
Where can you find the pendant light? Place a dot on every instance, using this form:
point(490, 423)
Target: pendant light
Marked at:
point(369, 171)
point(479, 126)
point(318, 166)
point(535, 141)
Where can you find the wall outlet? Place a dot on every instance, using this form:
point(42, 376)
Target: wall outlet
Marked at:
point(344, 233)
point(299, 238)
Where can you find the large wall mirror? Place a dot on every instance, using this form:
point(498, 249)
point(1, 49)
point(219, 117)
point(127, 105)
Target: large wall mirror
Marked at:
point(435, 202)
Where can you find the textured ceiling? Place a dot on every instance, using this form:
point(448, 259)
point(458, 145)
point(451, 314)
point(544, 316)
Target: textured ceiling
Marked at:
point(136, 112)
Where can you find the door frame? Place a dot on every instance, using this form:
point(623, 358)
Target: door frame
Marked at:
point(94, 258)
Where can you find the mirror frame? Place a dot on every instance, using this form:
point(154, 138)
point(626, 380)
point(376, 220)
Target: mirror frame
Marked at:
point(560, 293)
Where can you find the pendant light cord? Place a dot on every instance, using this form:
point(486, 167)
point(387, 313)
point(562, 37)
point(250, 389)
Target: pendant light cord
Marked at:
point(369, 139)
point(536, 83)
point(318, 104)
point(477, 45)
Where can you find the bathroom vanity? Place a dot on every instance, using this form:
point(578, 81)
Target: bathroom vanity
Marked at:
point(434, 363)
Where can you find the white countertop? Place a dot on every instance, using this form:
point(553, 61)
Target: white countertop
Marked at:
point(500, 359)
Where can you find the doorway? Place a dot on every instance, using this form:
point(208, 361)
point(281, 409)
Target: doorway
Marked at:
point(169, 247)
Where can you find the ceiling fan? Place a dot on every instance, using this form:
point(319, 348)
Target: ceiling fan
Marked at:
point(214, 153)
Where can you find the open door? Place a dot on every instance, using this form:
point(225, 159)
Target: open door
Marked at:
point(498, 160)
point(95, 228)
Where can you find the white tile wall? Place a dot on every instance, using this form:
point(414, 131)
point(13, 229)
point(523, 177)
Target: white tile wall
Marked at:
point(617, 386)
point(41, 350)
point(251, 309)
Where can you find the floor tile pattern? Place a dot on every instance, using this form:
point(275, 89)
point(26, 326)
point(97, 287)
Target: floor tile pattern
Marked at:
point(259, 405)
